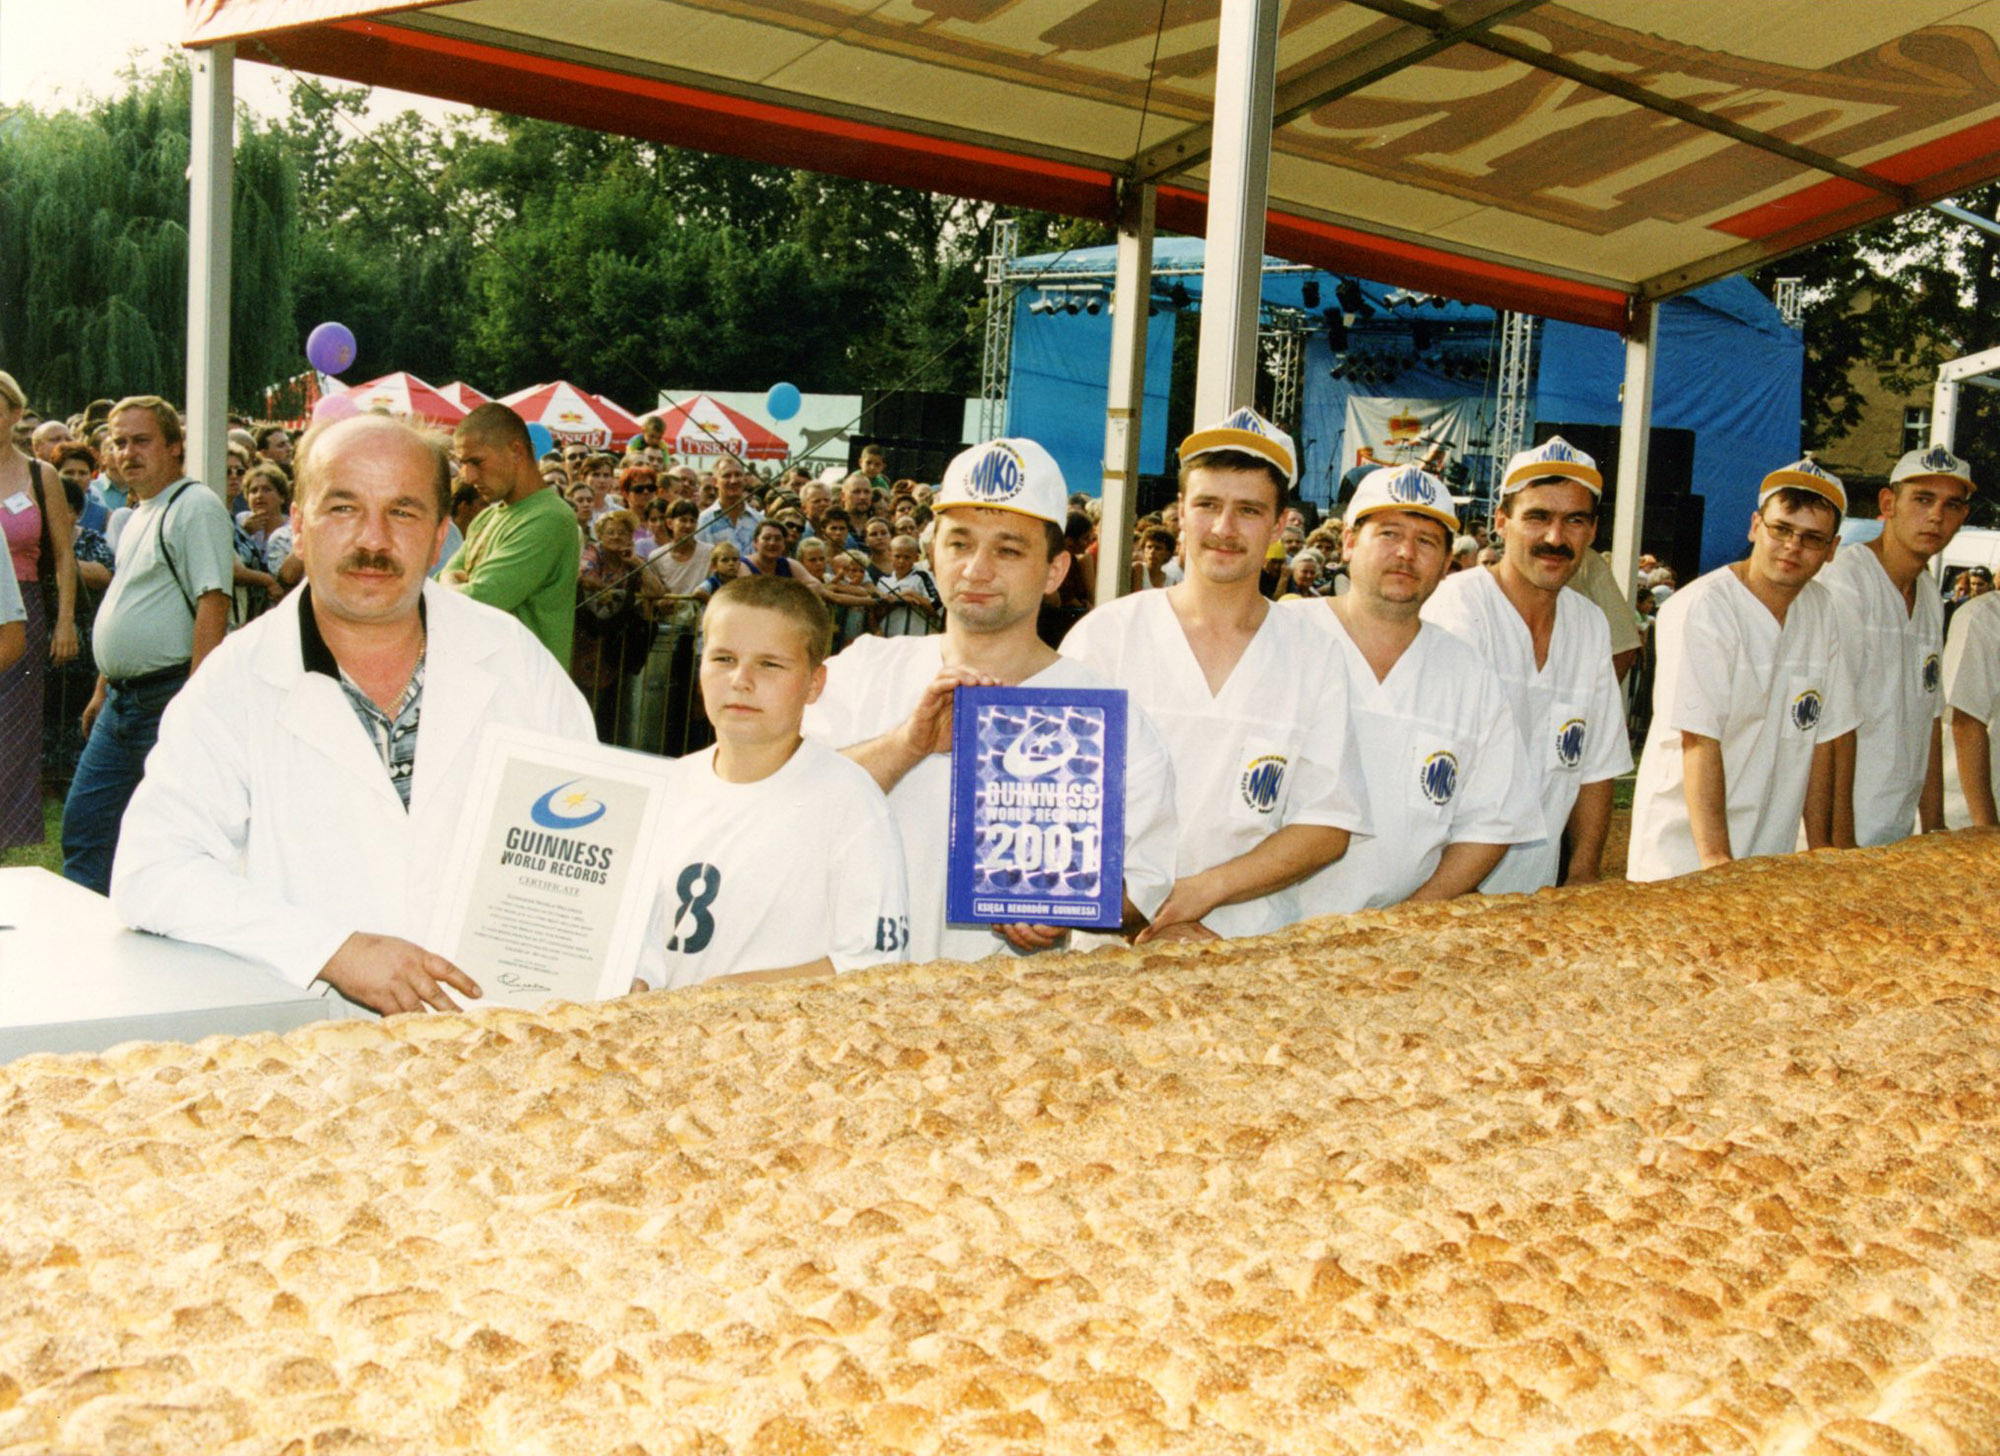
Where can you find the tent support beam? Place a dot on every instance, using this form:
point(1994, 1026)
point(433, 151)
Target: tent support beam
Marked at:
point(1749, 136)
point(1353, 72)
point(1635, 438)
point(1125, 404)
point(1232, 275)
point(211, 183)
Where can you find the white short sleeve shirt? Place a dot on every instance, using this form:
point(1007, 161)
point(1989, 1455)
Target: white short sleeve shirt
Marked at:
point(803, 864)
point(1443, 761)
point(1768, 694)
point(1895, 661)
point(1271, 749)
point(871, 688)
point(1972, 686)
point(1569, 711)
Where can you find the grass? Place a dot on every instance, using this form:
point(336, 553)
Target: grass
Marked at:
point(47, 854)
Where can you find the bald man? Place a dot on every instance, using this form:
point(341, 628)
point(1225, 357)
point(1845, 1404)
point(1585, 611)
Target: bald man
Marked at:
point(300, 807)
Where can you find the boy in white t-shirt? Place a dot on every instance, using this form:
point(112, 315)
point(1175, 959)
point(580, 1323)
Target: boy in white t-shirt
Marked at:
point(914, 609)
point(1751, 695)
point(785, 861)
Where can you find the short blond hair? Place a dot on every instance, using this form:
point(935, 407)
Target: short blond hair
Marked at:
point(164, 415)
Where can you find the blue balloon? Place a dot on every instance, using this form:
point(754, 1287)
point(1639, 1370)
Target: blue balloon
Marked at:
point(540, 438)
point(330, 348)
point(783, 401)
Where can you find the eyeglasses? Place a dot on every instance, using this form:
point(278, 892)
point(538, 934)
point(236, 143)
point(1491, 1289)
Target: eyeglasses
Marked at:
point(1785, 535)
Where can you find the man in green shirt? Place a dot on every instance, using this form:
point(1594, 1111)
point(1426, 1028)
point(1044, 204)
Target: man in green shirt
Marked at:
point(521, 554)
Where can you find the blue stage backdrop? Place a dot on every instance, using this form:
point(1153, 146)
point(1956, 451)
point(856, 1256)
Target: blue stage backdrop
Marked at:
point(1059, 388)
point(1729, 369)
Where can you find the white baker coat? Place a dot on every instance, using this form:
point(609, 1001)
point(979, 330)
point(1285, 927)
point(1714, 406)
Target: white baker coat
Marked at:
point(1273, 748)
point(1443, 760)
point(1570, 711)
point(266, 825)
point(1768, 695)
point(1972, 686)
point(1894, 654)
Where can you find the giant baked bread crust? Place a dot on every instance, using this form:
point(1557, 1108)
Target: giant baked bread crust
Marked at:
point(1693, 1168)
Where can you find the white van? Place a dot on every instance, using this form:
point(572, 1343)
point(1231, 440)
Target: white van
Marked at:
point(1972, 546)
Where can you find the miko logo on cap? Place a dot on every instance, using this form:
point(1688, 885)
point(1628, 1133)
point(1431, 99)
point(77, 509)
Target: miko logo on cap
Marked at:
point(998, 475)
point(1940, 459)
point(1806, 710)
point(1411, 487)
point(1932, 676)
point(1246, 419)
point(1569, 743)
point(1262, 782)
point(1438, 777)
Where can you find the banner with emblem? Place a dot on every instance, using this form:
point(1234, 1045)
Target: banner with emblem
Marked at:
point(555, 869)
point(1037, 807)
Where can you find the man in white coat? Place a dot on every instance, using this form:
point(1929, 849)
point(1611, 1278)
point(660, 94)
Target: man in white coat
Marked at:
point(1752, 698)
point(1448, 777)
point(1552, 650)
point(300, 804)
point(1888, 780)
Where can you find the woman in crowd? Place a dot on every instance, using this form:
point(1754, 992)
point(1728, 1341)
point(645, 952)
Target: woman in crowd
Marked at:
point(875, 539)
point(35, 513)
point(613, 631)
point(70, 685)
point(1149, 565)
point(767, 553)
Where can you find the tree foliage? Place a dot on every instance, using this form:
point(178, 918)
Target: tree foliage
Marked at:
point(497, 249)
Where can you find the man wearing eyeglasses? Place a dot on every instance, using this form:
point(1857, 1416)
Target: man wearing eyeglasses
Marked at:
point(1751, 695)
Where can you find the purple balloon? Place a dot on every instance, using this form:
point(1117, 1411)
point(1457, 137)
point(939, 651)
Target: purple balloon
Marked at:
point(335, 407)
point(330, 348)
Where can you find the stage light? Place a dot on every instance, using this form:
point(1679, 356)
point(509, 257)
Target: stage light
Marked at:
point(1310, 293)
point(1353, 302)
point(1096, 305)
point(1072, 306)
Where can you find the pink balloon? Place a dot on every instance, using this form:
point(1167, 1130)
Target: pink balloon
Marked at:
point(335, 407)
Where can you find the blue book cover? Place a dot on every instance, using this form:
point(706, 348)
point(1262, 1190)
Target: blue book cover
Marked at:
point(1037, 807)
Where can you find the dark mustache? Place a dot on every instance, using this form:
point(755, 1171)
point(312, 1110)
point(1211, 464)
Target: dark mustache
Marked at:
point(1554, 553)
point(371, 561)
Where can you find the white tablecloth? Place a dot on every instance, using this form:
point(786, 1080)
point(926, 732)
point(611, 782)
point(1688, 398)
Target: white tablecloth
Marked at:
point(73, 979)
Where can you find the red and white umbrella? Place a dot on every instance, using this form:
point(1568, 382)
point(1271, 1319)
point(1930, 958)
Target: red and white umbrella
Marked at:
point(405, 394)
point(704, 425)
point(571, 414)
point(624, 424)
point(464, 395)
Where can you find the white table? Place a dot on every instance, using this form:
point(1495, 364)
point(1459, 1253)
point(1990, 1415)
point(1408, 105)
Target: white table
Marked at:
point(74, 979)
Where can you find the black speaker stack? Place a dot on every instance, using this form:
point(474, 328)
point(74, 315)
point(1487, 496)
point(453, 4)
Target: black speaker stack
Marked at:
point(918, 431)
point(1672, 526)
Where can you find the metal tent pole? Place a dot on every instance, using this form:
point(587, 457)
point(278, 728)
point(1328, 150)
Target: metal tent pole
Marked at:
point(1238, 195)
point(1126, 402)
point(1635, 435)
point(210, 180)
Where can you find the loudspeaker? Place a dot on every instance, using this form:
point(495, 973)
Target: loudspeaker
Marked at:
point(1670, 498)
point(933, 417)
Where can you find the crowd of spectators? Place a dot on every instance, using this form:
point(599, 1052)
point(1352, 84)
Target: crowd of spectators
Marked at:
point(657, 537)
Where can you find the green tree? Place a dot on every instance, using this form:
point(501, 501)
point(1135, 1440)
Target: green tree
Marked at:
point(93, 248)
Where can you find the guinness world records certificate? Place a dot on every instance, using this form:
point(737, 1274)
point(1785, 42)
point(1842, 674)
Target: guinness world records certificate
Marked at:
point(1037, 807)
point(555, 869)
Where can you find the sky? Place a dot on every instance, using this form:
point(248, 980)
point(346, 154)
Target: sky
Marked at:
point(55, 53)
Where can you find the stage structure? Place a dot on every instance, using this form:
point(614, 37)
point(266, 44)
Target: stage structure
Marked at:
point(1352, 362)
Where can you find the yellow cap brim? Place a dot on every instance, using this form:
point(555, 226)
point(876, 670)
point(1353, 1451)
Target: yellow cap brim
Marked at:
point(1449, 522)
point(1207, 442)
point(1546, 471)
point(1798, 480)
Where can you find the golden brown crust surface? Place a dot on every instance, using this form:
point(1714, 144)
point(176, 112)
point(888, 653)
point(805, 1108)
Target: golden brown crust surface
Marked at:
point(1711, 1167)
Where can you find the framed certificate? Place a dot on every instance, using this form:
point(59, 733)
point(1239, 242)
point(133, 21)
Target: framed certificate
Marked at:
point(1037, 807)
point(555, 868)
